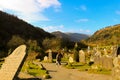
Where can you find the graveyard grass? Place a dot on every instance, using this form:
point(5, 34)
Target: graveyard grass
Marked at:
point(33, 69)
point(87, 68)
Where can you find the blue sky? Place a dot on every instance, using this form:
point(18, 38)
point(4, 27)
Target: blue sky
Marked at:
point(78, 16)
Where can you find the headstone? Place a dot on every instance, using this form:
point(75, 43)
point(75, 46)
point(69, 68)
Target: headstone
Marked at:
point(114, 51)
point(45, 58)
point(71, 60)
point(116, 61)
point(116, 69)
point(116, 73)
point(105, 52)
point(13, 63)
point(50, 55)
point(97, 57)
point(82, 56)
point(88, 50)
point(107, 62)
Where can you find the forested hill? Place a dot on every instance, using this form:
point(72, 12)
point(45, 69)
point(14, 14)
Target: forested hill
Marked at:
point(12, 28)
point(107, 36)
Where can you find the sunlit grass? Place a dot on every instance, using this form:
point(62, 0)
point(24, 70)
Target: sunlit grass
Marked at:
point(33, 69)
point(100, 71)
point(87, 68)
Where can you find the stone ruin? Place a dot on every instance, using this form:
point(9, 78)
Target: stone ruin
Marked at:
point(13, 63)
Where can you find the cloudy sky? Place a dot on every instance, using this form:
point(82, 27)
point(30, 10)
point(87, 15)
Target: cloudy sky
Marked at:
point(79, 16)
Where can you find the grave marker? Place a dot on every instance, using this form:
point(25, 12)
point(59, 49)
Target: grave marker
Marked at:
point(13, 63)
point(81, 56)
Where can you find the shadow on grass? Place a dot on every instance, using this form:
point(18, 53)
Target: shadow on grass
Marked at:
point(30, 79)
point(51, 70)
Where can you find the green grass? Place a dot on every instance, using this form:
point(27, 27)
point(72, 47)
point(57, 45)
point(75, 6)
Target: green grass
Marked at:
point(79, 66)
point(100, 71)
point(37, 72)
point(86, 67)
point(33, 69)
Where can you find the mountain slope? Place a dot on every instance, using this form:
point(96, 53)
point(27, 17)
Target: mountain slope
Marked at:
point(107, 36)
point(76, 37)
point(11, 26)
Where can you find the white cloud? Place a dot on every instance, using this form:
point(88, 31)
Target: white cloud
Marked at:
point(82, 20)
point(117, 12)
point(53, 28)
point(29, 9)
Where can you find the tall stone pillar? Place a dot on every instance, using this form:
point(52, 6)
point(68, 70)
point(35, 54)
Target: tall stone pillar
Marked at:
point(82, 56)
point(50, 55)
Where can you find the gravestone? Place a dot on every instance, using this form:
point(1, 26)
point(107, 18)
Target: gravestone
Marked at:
point(107, 62)
point(105, 52)
point(116, 61)
point(50, 55)
point(71, 60)
point(45, 58)
point(13, 63)
point(81, 56)
point(97, 58)
point(116, 69)
point(88, 50)
point(114, 51)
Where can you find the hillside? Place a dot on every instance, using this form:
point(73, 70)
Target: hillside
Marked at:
point(107, 36)
point(11, 26)
point(76, 37)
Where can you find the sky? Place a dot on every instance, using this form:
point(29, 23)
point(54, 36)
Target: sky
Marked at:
point(76, 16)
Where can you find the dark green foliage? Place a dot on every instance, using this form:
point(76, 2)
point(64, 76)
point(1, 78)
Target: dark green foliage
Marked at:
point(14, 31)
point(15, 41)
point(57, 43)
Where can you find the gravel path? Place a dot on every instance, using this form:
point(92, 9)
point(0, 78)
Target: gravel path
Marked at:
point(61, 73)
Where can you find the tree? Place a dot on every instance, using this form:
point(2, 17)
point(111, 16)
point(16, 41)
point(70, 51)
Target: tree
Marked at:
point(54, 43)
point(15, 41)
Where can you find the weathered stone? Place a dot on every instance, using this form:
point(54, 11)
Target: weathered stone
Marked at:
point(82, 56)
point(50, 56)
point(116, 73)
point(71, 60)
point(97, 59)
point(45, 58)
point(105, 52)
point(12, 65)
point(107, 62)
point(116, 69)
